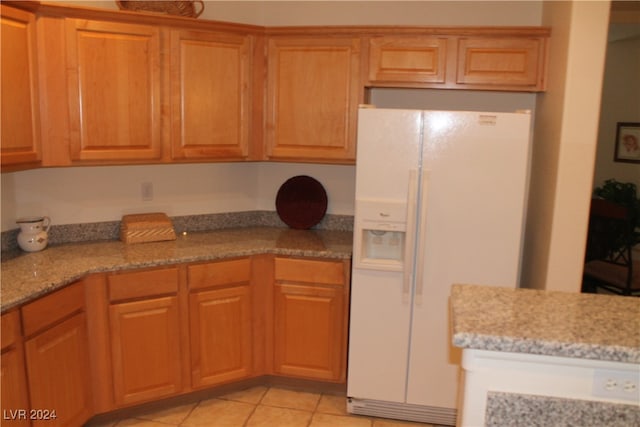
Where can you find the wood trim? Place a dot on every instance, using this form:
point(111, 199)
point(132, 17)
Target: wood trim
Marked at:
point(262, 273)
point(370, 30)
point(52, 308)
point(99, 345)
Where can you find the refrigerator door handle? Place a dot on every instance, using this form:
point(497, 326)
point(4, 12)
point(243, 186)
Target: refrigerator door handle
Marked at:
point(410, 239)
point(422, 238)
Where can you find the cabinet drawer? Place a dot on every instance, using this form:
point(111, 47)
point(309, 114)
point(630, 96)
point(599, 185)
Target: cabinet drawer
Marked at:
point(310, 271)
point(10, 328)
point(52, 308)
point(143, 284)
point(219, 273)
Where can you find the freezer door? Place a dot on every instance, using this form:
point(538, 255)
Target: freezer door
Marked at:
point(389, 146)
point(473, 204)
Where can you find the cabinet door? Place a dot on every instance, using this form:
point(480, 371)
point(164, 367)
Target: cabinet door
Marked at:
point(114, 91)
point(20, 141)
point(58, 371)
point(398, 60)
point(504, 63)
point(313, 93)
point(309, 331)
point(220, 335)
point(145, 346)
point(210, 95)
point(15, 400)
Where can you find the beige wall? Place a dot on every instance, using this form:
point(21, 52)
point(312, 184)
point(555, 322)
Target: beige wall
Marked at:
point(564, 145)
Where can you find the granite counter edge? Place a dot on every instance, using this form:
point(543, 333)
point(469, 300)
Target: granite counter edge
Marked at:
point(574, 350)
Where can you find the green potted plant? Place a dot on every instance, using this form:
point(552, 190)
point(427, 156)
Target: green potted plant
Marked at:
point(625, 194)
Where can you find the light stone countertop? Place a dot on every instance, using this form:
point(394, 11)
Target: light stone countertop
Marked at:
point(34, 274)
point(587, 326)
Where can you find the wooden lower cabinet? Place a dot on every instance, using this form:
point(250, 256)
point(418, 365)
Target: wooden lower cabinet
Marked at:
point(58, 371)
point(145, 336)
point(220, 335)
point(220, 322)
point(167, 331)
point(145, 341)
point(57, 358)
point(14, 393)
point(310, 319)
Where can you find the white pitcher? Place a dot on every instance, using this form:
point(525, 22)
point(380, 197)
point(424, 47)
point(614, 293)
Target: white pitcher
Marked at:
point(33, 235)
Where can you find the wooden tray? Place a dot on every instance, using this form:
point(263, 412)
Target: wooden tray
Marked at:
point(190, 8)
point(149, 227)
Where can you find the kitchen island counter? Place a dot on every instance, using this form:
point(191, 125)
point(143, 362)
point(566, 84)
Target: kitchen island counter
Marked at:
point(546, 358)
point(31, 275)
point(585, 326)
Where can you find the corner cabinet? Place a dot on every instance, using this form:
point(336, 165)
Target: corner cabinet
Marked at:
point(210, 95)
point(310, 318)
point(114, 87)
point(20, 136)
point(313, 92)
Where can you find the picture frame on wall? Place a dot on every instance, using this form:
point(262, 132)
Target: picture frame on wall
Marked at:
point(627, 142)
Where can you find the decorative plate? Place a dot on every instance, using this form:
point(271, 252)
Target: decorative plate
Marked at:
point(301, 202)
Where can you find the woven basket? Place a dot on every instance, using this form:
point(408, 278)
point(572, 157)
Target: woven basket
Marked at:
point(191, 8)
point(151, 227)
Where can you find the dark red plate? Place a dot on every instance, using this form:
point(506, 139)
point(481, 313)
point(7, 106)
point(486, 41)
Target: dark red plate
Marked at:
point(301, 202)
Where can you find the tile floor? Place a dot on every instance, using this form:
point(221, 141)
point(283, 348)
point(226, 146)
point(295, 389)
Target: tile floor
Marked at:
point(260, 406)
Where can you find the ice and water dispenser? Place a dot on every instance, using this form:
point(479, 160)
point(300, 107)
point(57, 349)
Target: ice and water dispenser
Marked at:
point(380, 236)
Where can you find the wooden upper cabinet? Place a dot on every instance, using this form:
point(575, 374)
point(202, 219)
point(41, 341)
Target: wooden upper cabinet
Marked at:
point(407, 59)
point(20, 143)
point(462, 58)
point(114, 91)
point(503, 63)
point(313, 93)
point(210, 95)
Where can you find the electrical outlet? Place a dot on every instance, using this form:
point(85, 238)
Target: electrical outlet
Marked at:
point(147, 191)
point(617, 384)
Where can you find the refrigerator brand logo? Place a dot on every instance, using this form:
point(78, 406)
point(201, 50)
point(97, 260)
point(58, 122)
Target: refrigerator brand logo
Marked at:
point(487, 120)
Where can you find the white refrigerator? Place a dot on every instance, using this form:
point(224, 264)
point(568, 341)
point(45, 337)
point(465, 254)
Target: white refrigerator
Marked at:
point(440, 199)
